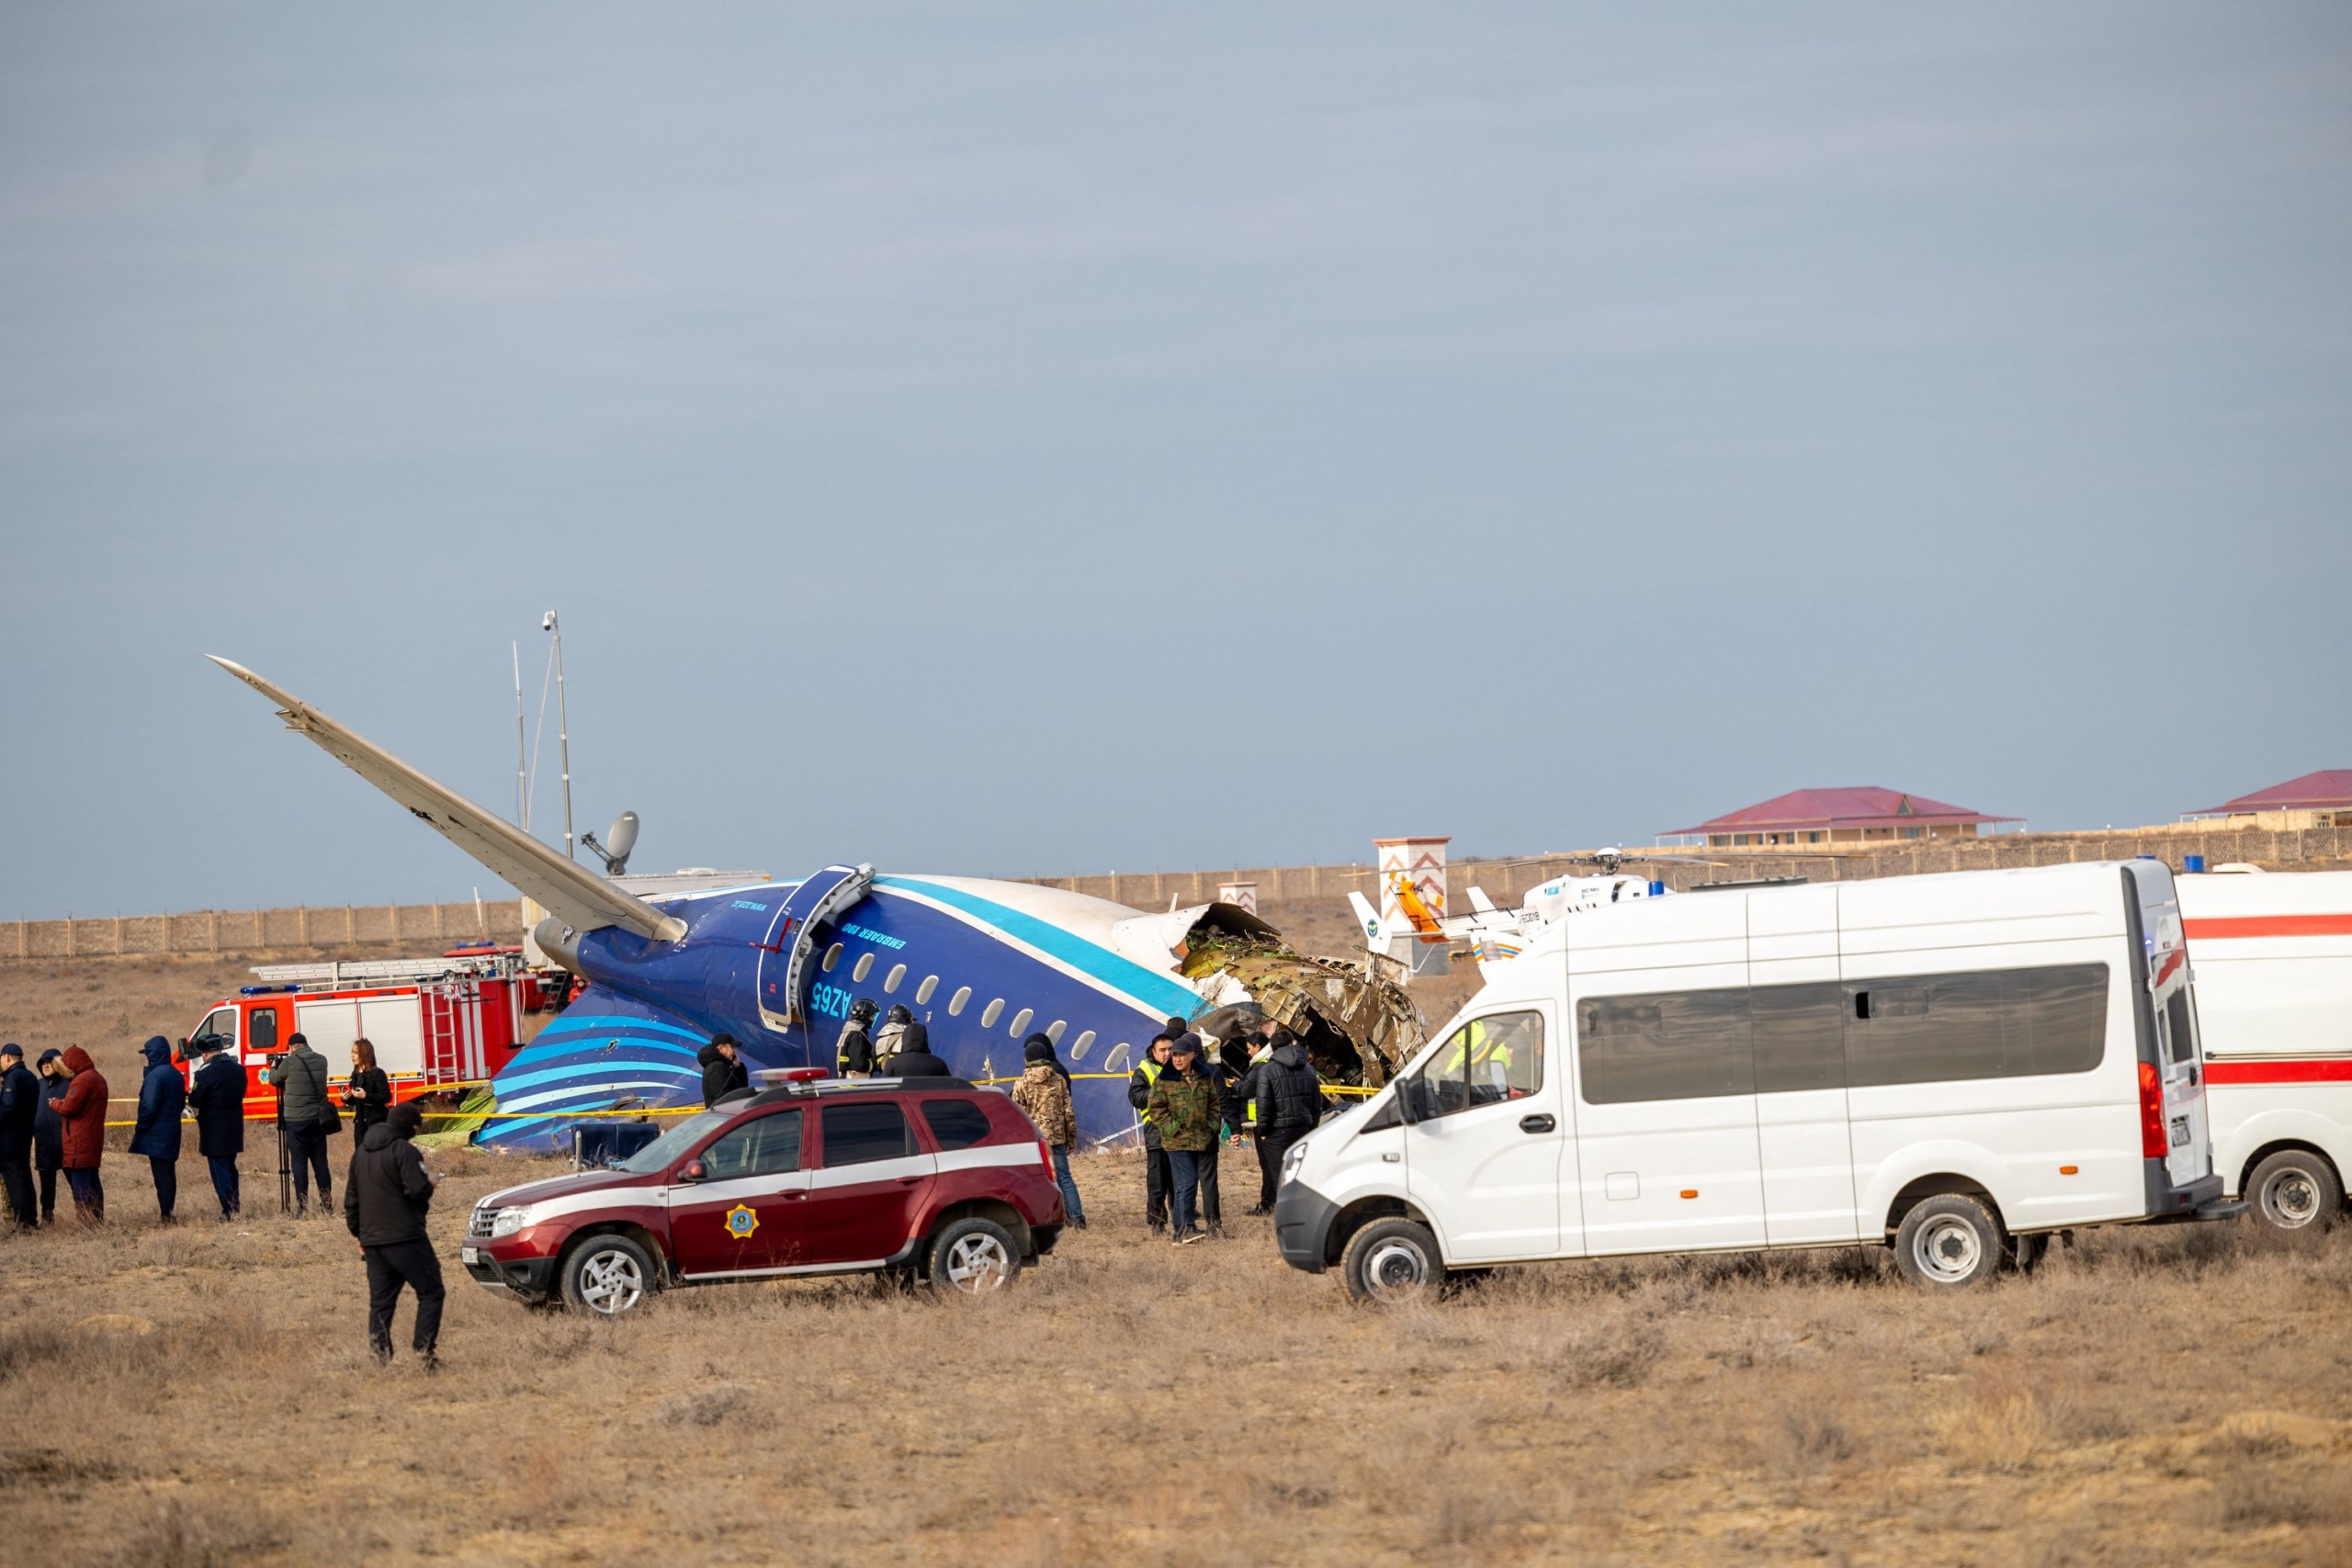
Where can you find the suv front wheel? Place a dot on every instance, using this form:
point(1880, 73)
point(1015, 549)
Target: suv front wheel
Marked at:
point(974, 1257)
point(606, 1276)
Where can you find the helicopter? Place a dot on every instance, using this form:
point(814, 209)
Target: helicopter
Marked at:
point(1493, 935)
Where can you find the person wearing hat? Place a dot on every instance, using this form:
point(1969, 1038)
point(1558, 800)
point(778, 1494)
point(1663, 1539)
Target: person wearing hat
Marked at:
point(49, 1129)
point(1185, 1106)
point(853, 1051)
point(217, 1094)
point(1043, 1094)
point(723, 1069)
point(386, 1195)
point(162, 1095)
point(301, 1079)
point(19, 1109)
point(914, 1058)
point(1155, 1153)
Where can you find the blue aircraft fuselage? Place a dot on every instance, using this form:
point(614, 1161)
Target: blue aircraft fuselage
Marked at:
point(982, 964)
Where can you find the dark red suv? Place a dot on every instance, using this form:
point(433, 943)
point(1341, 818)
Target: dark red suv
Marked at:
point(930, 1178)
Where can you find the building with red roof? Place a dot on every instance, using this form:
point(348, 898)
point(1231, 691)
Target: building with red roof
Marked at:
point(2323, 799)
point(1852, 815)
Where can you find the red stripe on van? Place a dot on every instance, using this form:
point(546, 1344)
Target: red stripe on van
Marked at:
point(2339, 1070)
point(2269, 925)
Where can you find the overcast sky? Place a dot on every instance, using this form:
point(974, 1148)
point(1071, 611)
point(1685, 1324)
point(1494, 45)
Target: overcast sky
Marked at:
point(1038, 439)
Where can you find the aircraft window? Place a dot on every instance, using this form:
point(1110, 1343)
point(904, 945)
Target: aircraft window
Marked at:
point(1117, 1061)
point(832, 956)
point(1054, 1030)
point(1085, 1044)
point(865, 967)
point(1020, 1021)
point(898, 972)
point(922, 992)
point(990, 1015)
point(955, 1003)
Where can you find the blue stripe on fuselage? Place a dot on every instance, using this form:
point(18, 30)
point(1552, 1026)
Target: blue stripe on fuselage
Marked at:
point(1151, 990)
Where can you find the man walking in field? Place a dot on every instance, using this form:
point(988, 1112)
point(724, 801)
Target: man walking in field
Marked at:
point(1185, 1106)
point(384, 1197)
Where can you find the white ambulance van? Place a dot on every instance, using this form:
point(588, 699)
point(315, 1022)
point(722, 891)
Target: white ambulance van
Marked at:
point(2273, 961)
point(1958, 1065)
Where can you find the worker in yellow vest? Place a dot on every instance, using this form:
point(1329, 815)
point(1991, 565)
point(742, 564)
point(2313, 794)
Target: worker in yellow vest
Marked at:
point(1155, 1157)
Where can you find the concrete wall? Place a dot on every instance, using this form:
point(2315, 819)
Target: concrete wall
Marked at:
point(241, 931)
point(431, 925)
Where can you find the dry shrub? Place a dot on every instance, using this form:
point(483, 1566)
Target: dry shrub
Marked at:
point(2259, 1498)
point(546, 1483)
point(171, 1534)
point(1809, 1436)
point(728, 1402)
point(2000, 1430)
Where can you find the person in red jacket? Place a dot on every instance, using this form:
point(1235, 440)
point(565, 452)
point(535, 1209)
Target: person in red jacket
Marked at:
point(83, 1109)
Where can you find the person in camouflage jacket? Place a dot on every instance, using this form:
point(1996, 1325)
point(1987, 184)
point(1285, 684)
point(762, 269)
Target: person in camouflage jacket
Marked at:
point(1185, 1107)
point(1043, 1094)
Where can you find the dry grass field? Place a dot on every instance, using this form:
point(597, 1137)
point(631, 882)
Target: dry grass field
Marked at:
point(201, 1395)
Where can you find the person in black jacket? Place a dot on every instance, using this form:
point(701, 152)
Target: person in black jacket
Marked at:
point(723, 1070)
point(385, 1196)
point(915, 1059)
point(218, 1096)
point(1156, 1177)
point(1290, 1103)
point(853, 1052)
point(49, 1129)
point(368, 1091)
point(156, 1132)
point(20, 1105)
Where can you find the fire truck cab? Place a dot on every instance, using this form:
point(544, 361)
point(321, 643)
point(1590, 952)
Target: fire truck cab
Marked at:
point(434, 1022)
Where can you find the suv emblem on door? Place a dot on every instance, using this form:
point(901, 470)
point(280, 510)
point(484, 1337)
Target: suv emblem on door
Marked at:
point(742, 1222)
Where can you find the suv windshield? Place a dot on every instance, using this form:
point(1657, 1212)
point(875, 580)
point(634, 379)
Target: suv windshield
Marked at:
point(655, 1157)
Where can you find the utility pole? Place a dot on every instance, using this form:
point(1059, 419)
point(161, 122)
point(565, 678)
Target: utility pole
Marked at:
point(562, 731)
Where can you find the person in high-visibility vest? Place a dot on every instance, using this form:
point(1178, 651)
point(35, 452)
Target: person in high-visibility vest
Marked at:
point(1480, 1059)
point(1155, 1157)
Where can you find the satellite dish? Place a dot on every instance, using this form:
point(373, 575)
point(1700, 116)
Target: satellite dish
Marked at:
point(619, 840)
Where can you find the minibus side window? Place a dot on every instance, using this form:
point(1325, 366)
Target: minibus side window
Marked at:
point(1485, 1061)
point(262, 1033)
point(1671, 1045)
point(1800, 1033)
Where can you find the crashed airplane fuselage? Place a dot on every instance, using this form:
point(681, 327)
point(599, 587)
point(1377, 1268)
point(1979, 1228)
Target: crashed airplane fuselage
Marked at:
point(984, 964)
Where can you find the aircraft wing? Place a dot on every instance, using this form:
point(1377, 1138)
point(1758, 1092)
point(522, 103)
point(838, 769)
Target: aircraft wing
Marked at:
point(570, 891)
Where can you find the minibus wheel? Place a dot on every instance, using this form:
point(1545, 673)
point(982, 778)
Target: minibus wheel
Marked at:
point(1392, 1262)
point(2295, 1189)
point(1947, 1243)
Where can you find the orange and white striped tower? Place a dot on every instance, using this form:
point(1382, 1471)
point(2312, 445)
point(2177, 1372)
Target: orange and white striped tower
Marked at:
point(1419, 864)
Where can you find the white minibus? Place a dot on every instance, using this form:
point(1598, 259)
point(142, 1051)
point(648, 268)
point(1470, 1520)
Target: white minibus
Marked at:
point(1958, 1065)
point(2273, 961)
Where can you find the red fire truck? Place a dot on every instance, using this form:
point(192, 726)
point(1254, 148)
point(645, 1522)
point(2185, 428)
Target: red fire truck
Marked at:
point(434, 1022)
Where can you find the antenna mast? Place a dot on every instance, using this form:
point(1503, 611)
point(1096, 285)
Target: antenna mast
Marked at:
point(562, 732)
point(522, 756)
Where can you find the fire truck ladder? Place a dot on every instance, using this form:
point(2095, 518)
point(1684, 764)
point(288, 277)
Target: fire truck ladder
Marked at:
point(445, 1036)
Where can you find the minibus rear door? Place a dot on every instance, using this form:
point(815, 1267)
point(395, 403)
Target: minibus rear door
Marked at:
point(2188, 1150)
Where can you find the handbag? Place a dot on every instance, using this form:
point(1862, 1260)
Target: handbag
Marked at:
point(330, 1120)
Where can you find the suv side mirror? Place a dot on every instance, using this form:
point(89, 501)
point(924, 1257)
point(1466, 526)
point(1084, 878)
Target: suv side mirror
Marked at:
point(694, 1170)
